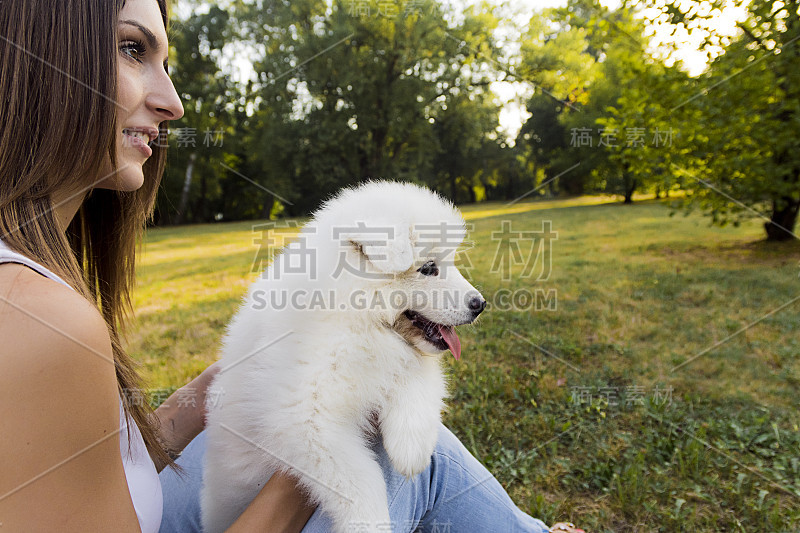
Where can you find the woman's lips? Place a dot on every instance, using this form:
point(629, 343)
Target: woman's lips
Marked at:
point(138, 143)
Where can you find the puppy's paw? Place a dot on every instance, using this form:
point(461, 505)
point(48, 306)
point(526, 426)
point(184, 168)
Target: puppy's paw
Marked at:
point(409, 446)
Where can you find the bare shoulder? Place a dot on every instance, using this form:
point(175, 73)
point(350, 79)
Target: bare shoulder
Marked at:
point(59, 412)
point(25, 287)
point(41, 321)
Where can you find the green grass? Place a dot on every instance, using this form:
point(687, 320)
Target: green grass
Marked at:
point(711, 446)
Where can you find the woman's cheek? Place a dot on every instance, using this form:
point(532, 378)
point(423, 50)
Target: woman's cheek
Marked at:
point(127, 89)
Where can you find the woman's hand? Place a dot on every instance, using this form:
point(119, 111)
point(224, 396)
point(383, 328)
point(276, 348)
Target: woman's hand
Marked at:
point(182, 416)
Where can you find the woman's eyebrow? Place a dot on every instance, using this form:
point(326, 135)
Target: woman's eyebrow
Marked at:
point(151, 38)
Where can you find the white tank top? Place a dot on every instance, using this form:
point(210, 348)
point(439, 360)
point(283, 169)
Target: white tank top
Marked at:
point(140, 472)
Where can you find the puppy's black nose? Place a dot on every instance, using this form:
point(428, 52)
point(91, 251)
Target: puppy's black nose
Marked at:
point(477, 305)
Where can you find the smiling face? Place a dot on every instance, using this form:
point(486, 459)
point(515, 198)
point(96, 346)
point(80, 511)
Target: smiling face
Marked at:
point(146, 96)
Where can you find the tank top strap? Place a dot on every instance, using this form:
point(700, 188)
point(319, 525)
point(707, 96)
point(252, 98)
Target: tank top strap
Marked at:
point(7, 255)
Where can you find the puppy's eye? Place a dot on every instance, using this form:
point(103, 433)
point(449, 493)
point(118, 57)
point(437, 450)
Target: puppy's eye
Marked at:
point(429, 269)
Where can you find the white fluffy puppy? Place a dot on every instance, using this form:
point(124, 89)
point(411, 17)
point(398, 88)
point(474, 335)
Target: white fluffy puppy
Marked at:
point(343, 330)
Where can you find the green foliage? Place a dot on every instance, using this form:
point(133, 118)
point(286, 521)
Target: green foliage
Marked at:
point(738, 152)
point(345, 91)
point(212, 110)
point(597, 83)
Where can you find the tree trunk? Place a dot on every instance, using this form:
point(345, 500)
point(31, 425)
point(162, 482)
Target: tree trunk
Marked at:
point(200, 212)
point(781, 224)
point(269, 203)
point(187, 183)
point(630, 187)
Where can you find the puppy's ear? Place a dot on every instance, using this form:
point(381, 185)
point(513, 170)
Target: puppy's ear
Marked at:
point(387, 247)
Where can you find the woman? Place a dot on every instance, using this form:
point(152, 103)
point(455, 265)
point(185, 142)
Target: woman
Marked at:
point(86, 97)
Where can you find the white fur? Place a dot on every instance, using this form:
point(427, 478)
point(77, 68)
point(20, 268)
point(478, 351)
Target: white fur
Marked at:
point(305, 404)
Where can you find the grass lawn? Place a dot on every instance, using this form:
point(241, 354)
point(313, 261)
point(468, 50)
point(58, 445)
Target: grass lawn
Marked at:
point(655, 387)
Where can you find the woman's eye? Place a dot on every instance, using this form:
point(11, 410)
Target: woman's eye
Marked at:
point(133, 49)
point(429, 269)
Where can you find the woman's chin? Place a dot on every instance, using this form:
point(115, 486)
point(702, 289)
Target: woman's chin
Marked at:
point(129, 179)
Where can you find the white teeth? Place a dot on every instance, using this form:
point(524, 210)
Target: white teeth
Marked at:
point(143, 136)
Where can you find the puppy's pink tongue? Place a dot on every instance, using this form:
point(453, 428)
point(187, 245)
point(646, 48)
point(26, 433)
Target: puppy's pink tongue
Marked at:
point(448, 333)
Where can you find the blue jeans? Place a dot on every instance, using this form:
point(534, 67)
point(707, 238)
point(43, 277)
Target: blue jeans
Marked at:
point(454, 494)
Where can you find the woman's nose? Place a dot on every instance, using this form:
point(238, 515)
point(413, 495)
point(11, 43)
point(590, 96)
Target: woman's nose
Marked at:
point(163, 98)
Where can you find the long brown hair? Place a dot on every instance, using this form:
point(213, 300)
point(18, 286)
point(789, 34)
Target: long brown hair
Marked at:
point(58, 124)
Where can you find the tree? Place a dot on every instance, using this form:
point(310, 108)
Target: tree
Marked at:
point(637, 130)
point(740, 119)
point(542, 138)
point(192, 179)
point(591, 65)
point(355, 91)
point(464, 128)
point(557, 58)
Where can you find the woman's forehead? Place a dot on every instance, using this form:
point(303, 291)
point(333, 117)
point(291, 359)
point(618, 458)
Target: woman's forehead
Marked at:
point(146, 14)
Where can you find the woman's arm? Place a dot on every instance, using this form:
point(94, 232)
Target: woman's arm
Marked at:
point(280, 507)
point(60, 462)
point(182, 416)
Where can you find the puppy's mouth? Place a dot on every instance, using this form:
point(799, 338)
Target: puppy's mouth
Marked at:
point(439, 335)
